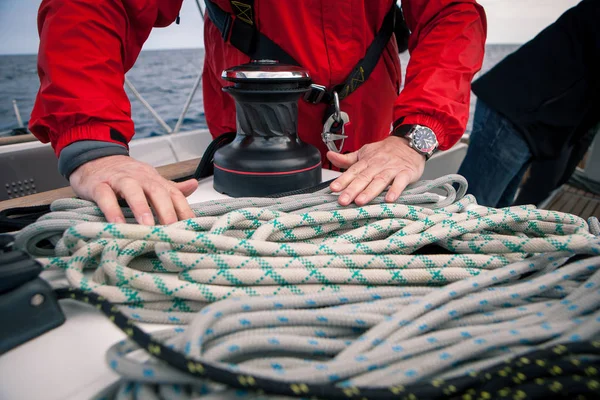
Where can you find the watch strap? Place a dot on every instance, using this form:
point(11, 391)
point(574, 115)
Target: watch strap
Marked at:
point(402, 130)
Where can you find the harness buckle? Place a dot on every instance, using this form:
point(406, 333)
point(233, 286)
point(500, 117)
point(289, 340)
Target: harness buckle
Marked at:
point(315, 93)
point(334, 132)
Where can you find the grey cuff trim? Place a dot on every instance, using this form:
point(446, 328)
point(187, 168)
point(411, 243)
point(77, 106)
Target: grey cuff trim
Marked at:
point(78, 153)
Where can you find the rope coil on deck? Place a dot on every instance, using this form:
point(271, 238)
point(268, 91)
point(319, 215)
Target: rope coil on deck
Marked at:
point(297, 245)
point(348, 302)
point(381, 345)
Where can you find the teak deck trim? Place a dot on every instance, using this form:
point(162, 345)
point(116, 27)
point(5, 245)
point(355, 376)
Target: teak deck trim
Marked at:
point(576, 201)
point(171, 171)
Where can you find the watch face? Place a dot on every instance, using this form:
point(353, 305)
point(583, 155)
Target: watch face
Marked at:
point(424, 139)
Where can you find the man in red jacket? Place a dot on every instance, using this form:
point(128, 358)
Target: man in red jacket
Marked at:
point(87, 46)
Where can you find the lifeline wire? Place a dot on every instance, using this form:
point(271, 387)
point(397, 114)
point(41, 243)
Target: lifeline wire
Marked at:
point(320, 296)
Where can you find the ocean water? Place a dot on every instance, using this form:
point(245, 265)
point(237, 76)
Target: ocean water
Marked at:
point(164, 78)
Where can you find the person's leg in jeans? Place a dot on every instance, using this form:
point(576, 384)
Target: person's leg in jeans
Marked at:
point(508, 197)
point(496, 159)
point(547, 175)
point(544, 176)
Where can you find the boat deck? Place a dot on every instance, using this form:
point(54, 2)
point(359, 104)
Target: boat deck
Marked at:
point(575, 201)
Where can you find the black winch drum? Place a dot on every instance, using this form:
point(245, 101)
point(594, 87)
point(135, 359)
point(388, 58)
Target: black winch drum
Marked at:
point(267, 156)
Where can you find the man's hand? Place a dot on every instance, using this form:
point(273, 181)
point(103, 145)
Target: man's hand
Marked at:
point(103, 179)
point(371, 169)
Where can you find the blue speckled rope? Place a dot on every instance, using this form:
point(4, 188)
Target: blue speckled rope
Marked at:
point(383, 339)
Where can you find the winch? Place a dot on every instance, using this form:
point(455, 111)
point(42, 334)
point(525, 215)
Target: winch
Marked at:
point(267, 156)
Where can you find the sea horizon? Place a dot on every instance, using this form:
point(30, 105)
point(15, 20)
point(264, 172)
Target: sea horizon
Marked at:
point(163, 77)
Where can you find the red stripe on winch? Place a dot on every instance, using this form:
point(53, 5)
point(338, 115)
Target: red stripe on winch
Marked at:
point(267, 173)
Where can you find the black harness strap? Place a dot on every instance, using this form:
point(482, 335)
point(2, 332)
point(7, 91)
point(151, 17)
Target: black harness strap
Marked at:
point(243, 30)
point(243, 35)
point(366, 65)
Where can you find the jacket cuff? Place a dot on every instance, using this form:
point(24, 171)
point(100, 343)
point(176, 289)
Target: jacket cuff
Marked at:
point(432, 123)
point(93, 132)
point(75, 155)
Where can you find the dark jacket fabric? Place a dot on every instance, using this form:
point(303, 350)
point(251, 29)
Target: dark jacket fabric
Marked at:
point(549, 88)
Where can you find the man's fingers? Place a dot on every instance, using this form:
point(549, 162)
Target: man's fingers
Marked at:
point(130, 190)
point(342, 160)
point(187, 187)
point(401, 181)
point(106, 199)
point(179, 191)
point(348, 177)
point(106, 178)
point(358, 184)
point(380, 163)
point(346, 161)
point(377, 185)
point(182, 208)
point(161, 202)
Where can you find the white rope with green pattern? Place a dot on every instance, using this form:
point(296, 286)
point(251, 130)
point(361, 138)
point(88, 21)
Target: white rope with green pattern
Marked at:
point(296, 245)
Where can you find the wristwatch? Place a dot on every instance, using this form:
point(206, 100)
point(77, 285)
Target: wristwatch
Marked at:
point(420, 138)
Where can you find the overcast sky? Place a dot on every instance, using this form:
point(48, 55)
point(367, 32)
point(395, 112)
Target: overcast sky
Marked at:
point(509, 21)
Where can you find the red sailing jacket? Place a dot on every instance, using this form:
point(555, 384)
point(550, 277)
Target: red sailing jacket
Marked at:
point(87, 46)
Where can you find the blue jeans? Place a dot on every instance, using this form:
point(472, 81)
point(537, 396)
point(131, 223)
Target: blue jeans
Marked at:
point(496, 159)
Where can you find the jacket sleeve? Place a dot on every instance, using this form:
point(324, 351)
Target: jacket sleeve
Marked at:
point(446, 50)
point(86, 47)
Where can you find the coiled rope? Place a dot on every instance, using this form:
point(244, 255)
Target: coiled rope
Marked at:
point(297, 245)
point(381, 345)
point(336, 297)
